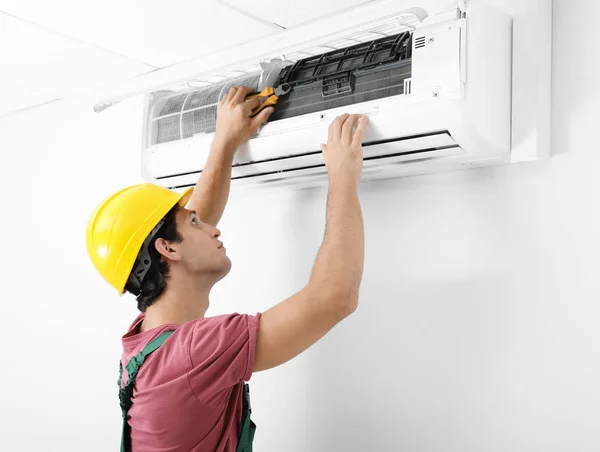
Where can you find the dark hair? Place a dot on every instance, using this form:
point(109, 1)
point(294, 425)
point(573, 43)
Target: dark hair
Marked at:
point(154, 282)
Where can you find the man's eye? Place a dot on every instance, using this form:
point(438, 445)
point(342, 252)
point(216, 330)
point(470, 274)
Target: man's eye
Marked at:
point(195, 220)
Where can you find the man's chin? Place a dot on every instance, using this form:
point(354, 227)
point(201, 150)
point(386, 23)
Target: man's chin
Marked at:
point(225, 269)
point(228, 265)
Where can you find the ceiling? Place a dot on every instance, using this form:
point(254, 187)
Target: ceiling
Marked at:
point(50, 50)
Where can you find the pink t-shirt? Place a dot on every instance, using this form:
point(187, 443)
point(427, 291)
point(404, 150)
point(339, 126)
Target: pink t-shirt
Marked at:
point(188, 393)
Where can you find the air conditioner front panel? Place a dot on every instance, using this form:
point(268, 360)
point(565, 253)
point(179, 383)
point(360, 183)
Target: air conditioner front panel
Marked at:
point(407, 148)
point(375, 154)
point(313, 167)
point(391, 120)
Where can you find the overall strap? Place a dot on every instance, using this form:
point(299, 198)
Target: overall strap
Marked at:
point(126, 393)
point(247, 426)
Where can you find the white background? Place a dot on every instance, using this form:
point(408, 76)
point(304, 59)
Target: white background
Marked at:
point(478, 327)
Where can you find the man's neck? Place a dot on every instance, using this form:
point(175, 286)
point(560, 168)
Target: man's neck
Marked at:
point(184, 300)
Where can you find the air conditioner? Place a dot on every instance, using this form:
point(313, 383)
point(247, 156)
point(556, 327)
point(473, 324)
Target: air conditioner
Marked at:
point(437, 91)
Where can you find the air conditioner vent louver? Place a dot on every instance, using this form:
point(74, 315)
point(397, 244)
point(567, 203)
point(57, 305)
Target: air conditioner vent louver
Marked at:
point(408, 148)
point(420, 42)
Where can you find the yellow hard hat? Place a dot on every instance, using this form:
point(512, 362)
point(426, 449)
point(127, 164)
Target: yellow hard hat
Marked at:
point(121, 223)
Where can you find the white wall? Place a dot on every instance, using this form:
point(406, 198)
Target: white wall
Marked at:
point(478, 328)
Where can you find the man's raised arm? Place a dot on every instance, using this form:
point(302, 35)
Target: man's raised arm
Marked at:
point(234, 127)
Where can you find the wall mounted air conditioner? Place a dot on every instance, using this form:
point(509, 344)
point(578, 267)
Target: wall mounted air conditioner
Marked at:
point(437, 92)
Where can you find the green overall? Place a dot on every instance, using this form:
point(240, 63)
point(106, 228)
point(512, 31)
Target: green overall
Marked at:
point(247, 427)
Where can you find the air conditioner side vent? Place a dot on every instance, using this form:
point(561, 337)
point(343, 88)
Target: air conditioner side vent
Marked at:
point(420, 42)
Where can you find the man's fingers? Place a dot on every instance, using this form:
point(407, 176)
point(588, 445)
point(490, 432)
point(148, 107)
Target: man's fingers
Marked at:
point(231, 94)
point(242, 92)
point(262, 117)
point(360, 130)
point(323, 148)
point(347, 128)
point(335, 130)
point(251, 104)
point(225, 97)
point(330, 133)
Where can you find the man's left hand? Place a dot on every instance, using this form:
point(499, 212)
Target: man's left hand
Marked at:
point(234, 124)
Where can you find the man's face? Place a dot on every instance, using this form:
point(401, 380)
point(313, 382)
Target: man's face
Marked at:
point(200, 251)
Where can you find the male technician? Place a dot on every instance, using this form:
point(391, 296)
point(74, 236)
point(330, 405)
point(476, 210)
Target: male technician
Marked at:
point(182, 383)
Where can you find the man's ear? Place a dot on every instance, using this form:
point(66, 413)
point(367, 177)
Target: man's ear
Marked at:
point(167, 249)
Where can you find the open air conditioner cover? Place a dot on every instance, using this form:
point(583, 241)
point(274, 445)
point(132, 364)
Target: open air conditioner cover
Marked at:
point(339, 78)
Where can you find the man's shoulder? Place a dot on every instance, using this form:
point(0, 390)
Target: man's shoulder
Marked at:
point(223, 320)
point(215, 326)
point(222, 328)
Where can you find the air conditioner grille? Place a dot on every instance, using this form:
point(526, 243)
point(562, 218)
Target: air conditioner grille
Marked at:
point(360, 73)
point(420, 42)
point(199, 120)
point(201, 98)
point(167, 129)
point(185, 114)
point(172, 105)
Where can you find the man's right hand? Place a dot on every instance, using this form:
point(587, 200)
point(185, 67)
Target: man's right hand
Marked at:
point(343, 151)
point(234, 124)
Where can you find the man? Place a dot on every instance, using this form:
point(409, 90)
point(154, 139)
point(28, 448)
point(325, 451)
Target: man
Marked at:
point(183, 374)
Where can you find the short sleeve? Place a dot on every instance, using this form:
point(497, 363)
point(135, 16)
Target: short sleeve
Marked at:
point(222, 350)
